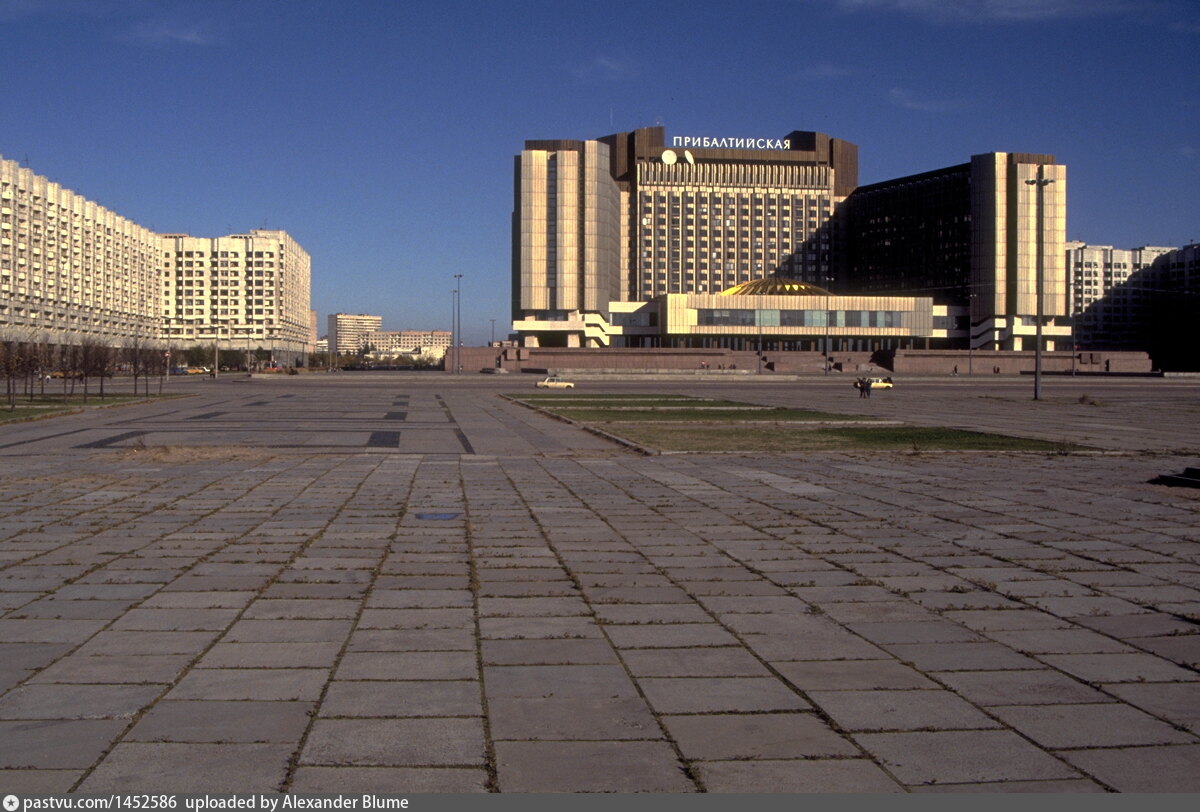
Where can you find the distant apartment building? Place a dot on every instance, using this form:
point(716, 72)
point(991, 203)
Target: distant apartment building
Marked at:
point(1110, 294)
point(346, 331)
point(967, 235)
point(391, 343)
point(243, 291)
point(1138, 299)
point(72, 270)
point(1170, 328)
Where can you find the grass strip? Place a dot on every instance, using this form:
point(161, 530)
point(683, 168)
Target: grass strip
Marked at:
point(913, 439)
point(22, 413)
point(724, 414)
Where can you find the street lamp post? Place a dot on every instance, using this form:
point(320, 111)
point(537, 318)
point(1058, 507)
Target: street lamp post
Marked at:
point(458, 323)
point(493, 321)
point(827, 347)
point(758, 316)
point(448, 358)
point(1040, 182)
point(216, 348)
point(970, 334)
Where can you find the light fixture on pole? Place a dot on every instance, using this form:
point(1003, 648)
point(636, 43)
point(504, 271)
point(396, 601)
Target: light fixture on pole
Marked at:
point(1040, 182)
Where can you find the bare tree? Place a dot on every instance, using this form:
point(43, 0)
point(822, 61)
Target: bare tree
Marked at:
point(43, 360)
point(9, 366)
point(66, 364)
point(95, 361)
point(130, 353)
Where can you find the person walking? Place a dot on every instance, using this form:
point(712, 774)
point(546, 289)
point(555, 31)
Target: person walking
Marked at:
point(867, 388)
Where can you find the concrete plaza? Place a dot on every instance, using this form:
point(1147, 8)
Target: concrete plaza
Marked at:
point(404, 583)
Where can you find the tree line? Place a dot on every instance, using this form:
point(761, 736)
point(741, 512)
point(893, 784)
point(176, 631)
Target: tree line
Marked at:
point(37, 366)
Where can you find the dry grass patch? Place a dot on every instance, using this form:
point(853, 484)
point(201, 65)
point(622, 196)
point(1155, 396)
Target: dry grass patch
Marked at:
point(181, 455)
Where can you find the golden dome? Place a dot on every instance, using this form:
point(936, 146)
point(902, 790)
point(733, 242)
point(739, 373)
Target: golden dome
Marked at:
point(775, 286)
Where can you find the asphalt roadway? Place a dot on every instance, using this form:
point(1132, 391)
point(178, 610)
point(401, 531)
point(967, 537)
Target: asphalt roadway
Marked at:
point(404, 583)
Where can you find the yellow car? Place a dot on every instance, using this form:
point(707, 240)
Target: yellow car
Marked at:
point(555, 382)
point(876, 383)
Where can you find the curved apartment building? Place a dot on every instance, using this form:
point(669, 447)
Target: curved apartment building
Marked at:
point(71, 270)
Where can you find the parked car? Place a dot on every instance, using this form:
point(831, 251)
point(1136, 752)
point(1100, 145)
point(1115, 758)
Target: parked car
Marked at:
point(877, 383)
point(555, 382)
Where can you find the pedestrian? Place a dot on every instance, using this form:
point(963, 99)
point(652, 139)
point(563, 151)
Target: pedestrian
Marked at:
point(955, 373)
point(867, 388)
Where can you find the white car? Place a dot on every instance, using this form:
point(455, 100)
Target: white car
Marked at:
point(555, 382)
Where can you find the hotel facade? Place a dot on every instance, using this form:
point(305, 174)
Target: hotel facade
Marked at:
point(628, 241)
point(71, 270)
point(978, 236)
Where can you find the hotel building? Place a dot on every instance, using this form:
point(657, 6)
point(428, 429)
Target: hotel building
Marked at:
point(71, 270)
point(628, 218)
point(629, 241)
point(968, 236)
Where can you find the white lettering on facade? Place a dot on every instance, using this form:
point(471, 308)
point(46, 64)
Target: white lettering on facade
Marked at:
point(707, 142)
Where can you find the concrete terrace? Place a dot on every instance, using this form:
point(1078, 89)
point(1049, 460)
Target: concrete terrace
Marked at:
point(403, 583)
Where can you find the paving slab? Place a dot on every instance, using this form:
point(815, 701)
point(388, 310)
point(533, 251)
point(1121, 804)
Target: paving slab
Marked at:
point(402, 699)
point(56, 744)
point(952, 757)
point(636, 766)
point(900, 710)
point(677, 695)
point(708, 737)
point(189, 768)
point(802, 776)
point(1078, 725)
point(1142, 769)
point(388, 780)
point(395, 742)
point(222, 721)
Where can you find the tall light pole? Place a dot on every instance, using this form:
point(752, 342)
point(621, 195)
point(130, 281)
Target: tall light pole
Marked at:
point(827, 347)
point(448, 359)
point(1040, 182)
point(493, 321)
point(970, 334)
point(458, 323)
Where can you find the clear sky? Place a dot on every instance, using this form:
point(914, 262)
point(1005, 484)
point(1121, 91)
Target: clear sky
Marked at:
point(381, 134)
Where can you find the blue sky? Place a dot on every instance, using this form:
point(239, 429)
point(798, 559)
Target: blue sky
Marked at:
point(381, 134)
